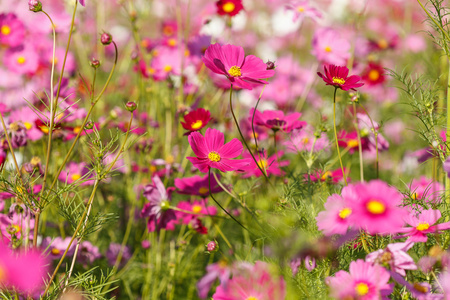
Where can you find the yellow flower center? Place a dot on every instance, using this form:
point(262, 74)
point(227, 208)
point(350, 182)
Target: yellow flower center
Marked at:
point(53, 61)
point(17, 228)
point(196, 208)
point(376, 207)
point(203, 190)
point(326, 175)
point(305, 141)
point(328, 49)
point(167, 30)
point(374, 75)
point(383, 44)
point(415, 196)
point(151, 71)
point(172, 42)
point(420, 288)
point(251, 298)
point(167, 68)
point(27, 125)
point(423, 226)
point(338, 80)
point(3, 274)
point(228, 7)
point(361, 289)
point(76, 129)
point(75, 177)
point(197, 124)
point(6, 30)
point(235, 71)
point(21, 60)
point(344, 213)
point(300, 9)
point(352, 143)
point(214, 156)
point(55, 251)
point(262, 163)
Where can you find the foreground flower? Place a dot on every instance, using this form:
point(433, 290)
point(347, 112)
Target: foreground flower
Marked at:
point(422, 224)
point(196, 120)
point(375, 207)
point(243, 71)
point(364, 281)
point(158, 209)
point(338, 77)
point(335, 218)
point(252, 283)
point(276, 120)
point(213, 153)
point(229, 7)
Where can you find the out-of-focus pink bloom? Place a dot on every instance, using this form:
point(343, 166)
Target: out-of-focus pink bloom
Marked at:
point(310, 263)
point(82, 2)
point(24, 61)
point(375, 207)
point(88, 253)
point(334, 176)
point(12, 30)
point(364, 281)
point(338, 77)
point(211, 152)
point(24, 271)
point(197, 185)
point(197, 208)
point(395, 256)
point(229, 7)
point(329, 47)
point(14, 225)
point(414, 43)
point(166, 61)
point(158, 209)
point(335, 218)
point(196, 120)
point(219, 270)
point(242, 71)
point(276, 120)
point(28, 117)
point(270, 164)
point(426, 189)
point(57, 246)
point(114, 250)
point(443, 284)
point(373, 74)
point(305, 139)
point(252, 283)
point(75, 172)
point(421, 224)
point(303, 9)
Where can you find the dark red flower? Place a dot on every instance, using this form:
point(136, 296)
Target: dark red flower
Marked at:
point(374, 74)
point(338, 77)
point(229, 7)
point(196, 120)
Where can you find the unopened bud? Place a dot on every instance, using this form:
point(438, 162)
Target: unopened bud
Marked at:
point(131, 106)
point(95, 63)
point(106, 39)
point(270, 65)
point(212, 246)
point(35, 5)
point(89, 125)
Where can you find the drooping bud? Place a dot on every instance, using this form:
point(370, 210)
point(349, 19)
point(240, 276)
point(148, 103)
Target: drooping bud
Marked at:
point(35, 5)
point(106, 39)
point(270, 65)
point(131, 106)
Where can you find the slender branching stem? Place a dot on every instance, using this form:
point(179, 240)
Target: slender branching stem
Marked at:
point(336, 137)
point(358, 135)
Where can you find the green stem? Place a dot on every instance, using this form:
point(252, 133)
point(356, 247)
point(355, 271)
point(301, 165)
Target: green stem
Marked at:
point(375, 133)
point(336, 137)
point(361, 166)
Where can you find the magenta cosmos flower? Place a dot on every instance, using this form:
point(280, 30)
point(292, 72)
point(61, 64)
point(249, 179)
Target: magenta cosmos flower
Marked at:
point(242, 71)
point(276, 120)
point(335, 218)
point(12, 30)
point(364, 281)
point(270, 164)
point(213, 153)
point(422, 224)
point(229, 7)
point(375, 207)
point(338, 77)
point(197, 185)
point(196, 119)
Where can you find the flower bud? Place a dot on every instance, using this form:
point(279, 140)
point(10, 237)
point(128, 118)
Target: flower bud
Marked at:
point(106, 39)
point(270, 65)
point(89, 125)
point(131, 106)
point(212, 247)
point(35, 5)
point(95, 63)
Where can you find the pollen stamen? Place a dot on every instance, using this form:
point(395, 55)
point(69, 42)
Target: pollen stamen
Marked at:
point(338, 80)
point(214, 156)
point(235, 71)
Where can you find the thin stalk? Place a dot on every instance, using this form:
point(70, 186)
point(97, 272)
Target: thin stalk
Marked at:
point(375, 132)
point(336, 137)
point(361, 166)
point(447, 179)
point(242, 136)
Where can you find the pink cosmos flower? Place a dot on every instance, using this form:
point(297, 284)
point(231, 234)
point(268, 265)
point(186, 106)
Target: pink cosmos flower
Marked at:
point(305, 140)
point(76, 172)
point(219, 270)
point(252, 283)
point(197, 208)
point(211, 152)
point(303, 9)
point(338, 77)
point(421, 224)
point(364, 281)
point(24, 61)
point(396, 256)
point(375, 207)
point(276, 120)
point(242, 71)
point(329, 47)
point(426, 189)
point(269, 164)
point(28, 117)
point(335, 218)
point(57, 246)
point(443, 283)
point(12, 30)
point(197, 185)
